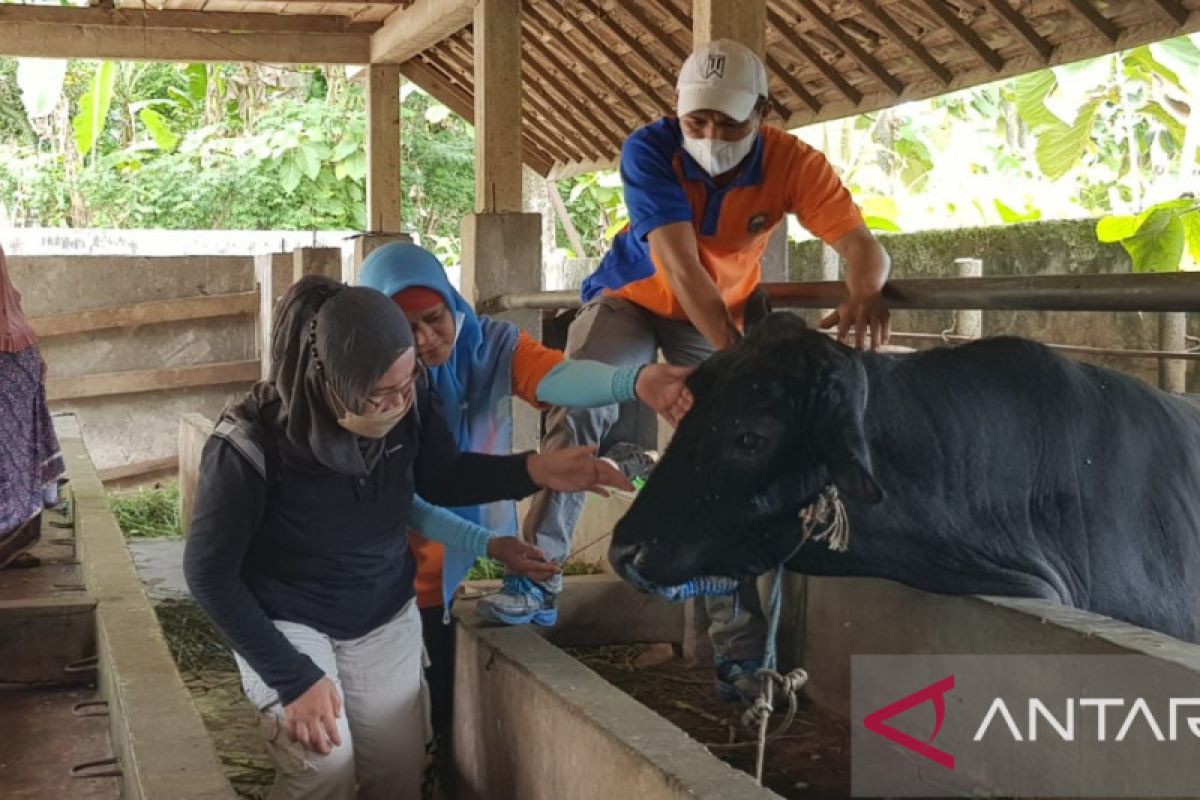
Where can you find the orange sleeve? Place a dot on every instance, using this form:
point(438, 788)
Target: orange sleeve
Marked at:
point(819, 199)
point(531, 361)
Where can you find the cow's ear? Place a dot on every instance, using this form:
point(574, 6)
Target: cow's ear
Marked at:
point(846, 456)
point(705, 376)
point(849, 464)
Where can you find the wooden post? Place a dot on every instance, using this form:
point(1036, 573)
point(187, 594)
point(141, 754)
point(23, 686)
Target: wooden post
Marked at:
point(194, 430)
point(325, 261)
point(969, 322)
point(383, 148)
point(273, 271)
point(1172, 335)
point(831, 270)
point(743, 21)
point(497, 36)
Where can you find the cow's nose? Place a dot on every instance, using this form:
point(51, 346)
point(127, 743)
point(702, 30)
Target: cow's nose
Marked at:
point(624, 558)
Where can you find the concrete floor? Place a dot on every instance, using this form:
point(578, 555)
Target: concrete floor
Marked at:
point(159, 564)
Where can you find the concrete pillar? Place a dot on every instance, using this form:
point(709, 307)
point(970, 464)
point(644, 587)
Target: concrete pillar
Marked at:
point(831, 269)
point(194, 430)
point(325, 261)
point(969, 322)
point(744, 21)
point(775, 259)
point(1172, 335)
point(364, 245)
point(501, 253)
point(497, 36)
point(383, 148)
point(273, 273)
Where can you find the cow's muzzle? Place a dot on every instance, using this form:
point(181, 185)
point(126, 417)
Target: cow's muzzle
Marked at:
point(625, 560)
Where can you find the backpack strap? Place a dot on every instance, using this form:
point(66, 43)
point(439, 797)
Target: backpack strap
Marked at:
point(240, 436)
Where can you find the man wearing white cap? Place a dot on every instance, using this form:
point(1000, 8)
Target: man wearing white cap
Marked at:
point(704, 192)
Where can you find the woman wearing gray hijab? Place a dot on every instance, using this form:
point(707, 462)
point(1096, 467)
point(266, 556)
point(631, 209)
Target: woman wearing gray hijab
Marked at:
point(298, 548)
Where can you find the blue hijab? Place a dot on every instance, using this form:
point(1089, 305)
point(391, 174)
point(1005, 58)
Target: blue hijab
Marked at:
point(475, 384)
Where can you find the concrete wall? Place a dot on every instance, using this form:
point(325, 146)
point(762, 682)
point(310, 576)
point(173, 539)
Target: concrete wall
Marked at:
point(1037, 248)
point(131, 428)
point(531, 722)
point(848, 616)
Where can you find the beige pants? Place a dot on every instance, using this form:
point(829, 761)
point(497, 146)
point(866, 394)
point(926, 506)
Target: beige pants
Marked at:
point(385, 715)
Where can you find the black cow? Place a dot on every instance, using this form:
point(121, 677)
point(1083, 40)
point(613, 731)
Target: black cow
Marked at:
point(997, 467)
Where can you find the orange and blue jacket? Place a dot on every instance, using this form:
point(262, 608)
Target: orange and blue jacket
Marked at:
point(664, 185)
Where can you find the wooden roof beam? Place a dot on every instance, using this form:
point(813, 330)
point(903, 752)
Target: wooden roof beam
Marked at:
point(783, 111)
point(580, 58)
point(655, 30)
point(1173, 9)
point(454, 52)
point(658, 103)
point(415, 28)
point(1097, 20)
point(455, 49)
point(813, 57)
point(902, 37)
point(460, 102)
point(636, 48)
point(966, 34)
point(206, 21)
point(67, 32)
point(793, 83)
point(868, 62)
point(581, 85)
point(580, 108)
point(1018, 23)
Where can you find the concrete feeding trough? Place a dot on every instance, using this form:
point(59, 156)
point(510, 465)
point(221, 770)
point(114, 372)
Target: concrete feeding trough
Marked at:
point(533, 722)
point(92, 703)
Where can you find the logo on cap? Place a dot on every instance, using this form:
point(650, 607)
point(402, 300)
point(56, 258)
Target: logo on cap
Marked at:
point(714, 66)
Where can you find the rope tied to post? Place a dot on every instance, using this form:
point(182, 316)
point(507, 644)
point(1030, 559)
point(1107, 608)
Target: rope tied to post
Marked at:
point(789, 685)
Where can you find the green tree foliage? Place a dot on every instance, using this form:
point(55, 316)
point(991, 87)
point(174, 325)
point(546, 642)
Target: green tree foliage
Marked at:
point(196, 146)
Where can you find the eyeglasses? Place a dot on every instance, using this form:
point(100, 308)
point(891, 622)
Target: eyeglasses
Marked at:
point(406, 393)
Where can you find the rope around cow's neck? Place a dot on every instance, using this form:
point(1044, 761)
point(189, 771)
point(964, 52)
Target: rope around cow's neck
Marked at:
point(823, 520)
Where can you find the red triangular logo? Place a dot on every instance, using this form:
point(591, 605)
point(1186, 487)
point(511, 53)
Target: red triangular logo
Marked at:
point(934, 693)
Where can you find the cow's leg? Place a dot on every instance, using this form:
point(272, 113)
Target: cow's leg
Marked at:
point(612, 331)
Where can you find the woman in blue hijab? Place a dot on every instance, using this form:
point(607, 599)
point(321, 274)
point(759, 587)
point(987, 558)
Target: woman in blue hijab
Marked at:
point(476, 364)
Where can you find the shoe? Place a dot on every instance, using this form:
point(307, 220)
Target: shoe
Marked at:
point(19, 541)
point(737, 681)
point(635, 462)
point(519, 602)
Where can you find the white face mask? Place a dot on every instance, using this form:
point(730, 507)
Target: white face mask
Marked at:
point(717, 156)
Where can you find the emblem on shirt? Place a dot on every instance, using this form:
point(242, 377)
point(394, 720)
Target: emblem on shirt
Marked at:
point(757, 223)
point(714, 66)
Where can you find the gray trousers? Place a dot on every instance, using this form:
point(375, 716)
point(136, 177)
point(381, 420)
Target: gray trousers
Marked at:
point(617, 332)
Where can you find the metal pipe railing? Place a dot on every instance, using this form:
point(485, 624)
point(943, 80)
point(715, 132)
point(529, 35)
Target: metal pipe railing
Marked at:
point(1079, 349)
point(1159, 292)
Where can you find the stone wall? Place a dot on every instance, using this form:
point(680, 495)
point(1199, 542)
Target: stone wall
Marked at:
point(126, 429)
point(1039, 248)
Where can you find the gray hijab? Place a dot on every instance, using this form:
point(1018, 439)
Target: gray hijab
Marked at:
point(326, 335)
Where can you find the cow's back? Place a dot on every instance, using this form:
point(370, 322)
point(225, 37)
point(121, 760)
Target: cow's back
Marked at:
point(1007, 456)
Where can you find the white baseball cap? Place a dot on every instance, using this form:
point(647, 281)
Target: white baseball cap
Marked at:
point(722, 75)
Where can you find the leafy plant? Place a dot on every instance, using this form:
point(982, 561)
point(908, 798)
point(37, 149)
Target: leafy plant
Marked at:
point(1158, 238)
point(148, 512)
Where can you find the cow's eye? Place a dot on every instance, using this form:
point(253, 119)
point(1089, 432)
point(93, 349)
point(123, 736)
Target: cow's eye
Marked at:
point(750, 443)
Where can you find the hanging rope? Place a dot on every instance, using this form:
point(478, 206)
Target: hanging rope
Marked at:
point(789, 685)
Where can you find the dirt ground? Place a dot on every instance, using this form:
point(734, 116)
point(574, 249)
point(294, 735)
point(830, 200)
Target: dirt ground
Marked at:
point(209, 672)
point(811, 760)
